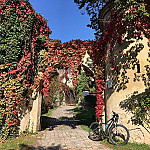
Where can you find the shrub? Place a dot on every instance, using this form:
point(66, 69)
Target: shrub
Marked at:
point(90, 101)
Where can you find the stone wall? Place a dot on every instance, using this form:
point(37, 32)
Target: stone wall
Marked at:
point(30, 115)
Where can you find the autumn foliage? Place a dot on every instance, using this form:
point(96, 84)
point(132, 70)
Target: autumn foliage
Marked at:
point(29, 57)
point(127, 19)
point(23, 35)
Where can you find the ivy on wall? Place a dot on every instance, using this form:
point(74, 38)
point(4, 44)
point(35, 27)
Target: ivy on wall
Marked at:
point(127, 17)
point(29, 57)
point(26, 50)
point(23, 35)
point(69, 55)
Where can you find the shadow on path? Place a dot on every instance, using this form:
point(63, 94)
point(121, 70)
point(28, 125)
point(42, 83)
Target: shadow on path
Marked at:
point(62, 132)
point(22, 146)
point(51, 123)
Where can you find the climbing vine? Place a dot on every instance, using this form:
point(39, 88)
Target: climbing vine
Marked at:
point(23, 35)
point(28, 58)
point(127, 17)
point(69, 55)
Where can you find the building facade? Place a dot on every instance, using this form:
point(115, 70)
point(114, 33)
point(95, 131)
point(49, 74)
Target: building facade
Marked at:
point(130, 77)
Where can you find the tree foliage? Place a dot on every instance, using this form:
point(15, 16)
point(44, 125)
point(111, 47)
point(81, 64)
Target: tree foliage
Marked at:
point(82, 81)
point(127, 17)
point(93, 8)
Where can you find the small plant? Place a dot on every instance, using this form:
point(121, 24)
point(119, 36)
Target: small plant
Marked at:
point(139, 105)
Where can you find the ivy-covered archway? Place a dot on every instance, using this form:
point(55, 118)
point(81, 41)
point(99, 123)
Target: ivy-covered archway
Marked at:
point(27, 50)
point(28, 57)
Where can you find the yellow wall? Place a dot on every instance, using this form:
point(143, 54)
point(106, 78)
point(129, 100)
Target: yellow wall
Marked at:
point(127, 82)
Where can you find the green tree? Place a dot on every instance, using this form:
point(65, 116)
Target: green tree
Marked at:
point(82, 81)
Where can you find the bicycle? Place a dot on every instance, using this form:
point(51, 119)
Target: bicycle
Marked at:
point(118, 134)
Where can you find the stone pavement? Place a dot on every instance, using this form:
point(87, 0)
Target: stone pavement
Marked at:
point(64, 133)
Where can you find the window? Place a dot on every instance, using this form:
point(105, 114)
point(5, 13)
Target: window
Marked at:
point(138, 68)
point(109, 83)
point(117, 70)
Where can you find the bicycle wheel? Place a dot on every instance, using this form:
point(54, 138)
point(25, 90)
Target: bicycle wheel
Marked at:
point(119, 135)
point(94, 131)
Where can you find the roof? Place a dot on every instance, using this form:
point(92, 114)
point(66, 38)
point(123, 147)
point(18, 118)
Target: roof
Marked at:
point(85, 88)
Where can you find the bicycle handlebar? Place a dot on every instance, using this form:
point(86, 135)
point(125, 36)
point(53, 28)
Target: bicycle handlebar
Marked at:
point(115, 113)
point(115, 116)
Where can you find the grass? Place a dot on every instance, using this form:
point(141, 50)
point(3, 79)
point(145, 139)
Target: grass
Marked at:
point(19, 143)
point(85, 118)
point(128, 146)
point(49, 113)
point(45, 118)
point(24, 141)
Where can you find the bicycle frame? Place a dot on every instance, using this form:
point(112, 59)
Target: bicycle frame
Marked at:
point(100, 130)
point(107, 124)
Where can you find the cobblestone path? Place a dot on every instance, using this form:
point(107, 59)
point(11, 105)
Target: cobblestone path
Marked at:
point(63, 133)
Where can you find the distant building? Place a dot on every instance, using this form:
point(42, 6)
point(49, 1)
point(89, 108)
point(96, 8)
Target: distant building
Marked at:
point(86, 66)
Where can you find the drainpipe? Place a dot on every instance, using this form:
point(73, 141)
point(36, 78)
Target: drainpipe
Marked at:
point(105, 95)
point(105, 81)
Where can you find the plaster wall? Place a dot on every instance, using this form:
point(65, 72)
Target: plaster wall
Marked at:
point(31, 114)
point(126, 81)
point(35, 113)
point(88, 62)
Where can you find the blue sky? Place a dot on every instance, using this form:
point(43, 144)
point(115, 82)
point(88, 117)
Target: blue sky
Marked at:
point(64, 19)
